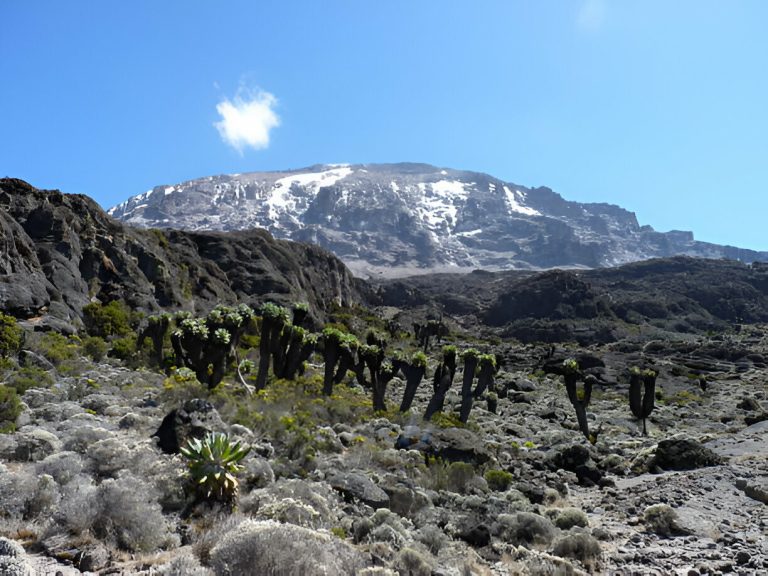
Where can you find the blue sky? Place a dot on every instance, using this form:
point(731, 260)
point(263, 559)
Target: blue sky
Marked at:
point(658, 106)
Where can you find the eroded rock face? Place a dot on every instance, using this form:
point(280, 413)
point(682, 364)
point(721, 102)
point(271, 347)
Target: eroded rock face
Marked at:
point(664, 296)
point(61, 251)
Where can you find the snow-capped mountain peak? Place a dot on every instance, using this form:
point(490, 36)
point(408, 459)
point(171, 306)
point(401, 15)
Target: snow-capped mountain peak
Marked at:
point(414, 216)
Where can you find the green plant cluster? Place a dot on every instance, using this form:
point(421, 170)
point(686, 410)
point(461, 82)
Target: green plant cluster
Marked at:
point(11, 336)
point(10, 408)
point(106, 320)
point(212, 463)
point(498, 480)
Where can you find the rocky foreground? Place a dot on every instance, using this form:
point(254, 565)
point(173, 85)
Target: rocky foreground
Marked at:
point(331, 489)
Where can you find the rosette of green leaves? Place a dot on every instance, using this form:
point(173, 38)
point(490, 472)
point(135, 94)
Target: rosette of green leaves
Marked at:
point(414, 372)
point(212, 463)
point(570, 366)
point(487, 364)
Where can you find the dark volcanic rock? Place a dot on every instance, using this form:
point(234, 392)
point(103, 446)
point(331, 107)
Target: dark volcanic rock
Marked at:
point(576, 458)
point(357, 486)
point(459, 445)
point(477, 535)
point(62, 252)
point(661, 296)
point(556, 295)
point(194, 419)
point(684, 453)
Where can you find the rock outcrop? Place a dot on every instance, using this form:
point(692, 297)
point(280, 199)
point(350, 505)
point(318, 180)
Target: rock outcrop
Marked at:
point(654, 297)
point(62, 251)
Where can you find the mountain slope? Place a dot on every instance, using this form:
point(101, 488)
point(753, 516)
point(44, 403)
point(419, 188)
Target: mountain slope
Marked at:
point(415, 216)
point(62, 251)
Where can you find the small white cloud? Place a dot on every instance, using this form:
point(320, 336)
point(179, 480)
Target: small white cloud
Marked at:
point(591, 15)
point(247, 119)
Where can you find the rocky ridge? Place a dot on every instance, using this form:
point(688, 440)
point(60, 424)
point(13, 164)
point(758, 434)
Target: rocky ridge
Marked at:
point(640, 301)
point(401, 219)
point(61, 251)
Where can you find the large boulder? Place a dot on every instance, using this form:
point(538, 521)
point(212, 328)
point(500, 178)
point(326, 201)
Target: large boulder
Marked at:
point(13, 561)
point(30, 445)
point(459, 445)
point(576, 458)
point(681, 452)
point(194, 419)
point(757, 489)
point(357, 486)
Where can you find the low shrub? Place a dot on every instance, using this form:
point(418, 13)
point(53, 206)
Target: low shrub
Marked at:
point(283, 550)
point(11, 336)
point(57, 348)
point(45, 497)
point(124, 348)
point(382, 526)
point(130, 516)
point(62, 466)
point(95, 348)
point(26, 377)
point(13, 561)
point(432, 537)
point(414, 563)
point(661, 519)
point(290, 511)
point(10, 408)
point(581, 547)
point(104, 320)
point(525, 529)
point(78, 507)
point(498, 480)
point(16, 490)
point(185, 565)
point(569, 517)
point(453, 476)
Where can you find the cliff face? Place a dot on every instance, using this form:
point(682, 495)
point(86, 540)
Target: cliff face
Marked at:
point(62, 251)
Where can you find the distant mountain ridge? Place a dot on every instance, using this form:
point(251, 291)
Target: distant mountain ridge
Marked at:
point(416, 217)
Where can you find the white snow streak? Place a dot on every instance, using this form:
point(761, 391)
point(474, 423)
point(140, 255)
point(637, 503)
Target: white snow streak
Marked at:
point(439, 206)
point(281, 199)
point(513, 205)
